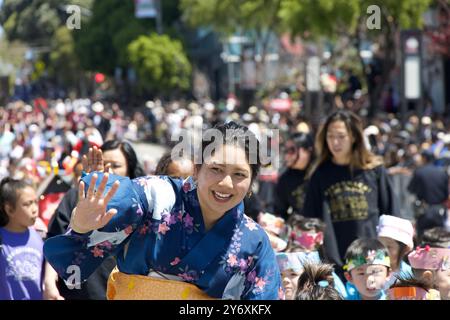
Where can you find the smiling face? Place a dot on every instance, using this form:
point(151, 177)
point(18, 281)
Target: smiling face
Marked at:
point(339, 141)
point(25, 212)
point(369, 280)
point(223, 180)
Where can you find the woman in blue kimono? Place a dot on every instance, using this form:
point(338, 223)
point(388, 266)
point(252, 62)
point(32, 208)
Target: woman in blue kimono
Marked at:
point(174, 239)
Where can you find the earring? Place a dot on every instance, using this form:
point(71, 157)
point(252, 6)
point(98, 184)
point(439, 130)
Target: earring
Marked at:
point(249, 194)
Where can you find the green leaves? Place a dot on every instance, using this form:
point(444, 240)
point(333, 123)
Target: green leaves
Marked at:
point(316, 17)
point(160, 63)
point(101, 43)
point(35, 22)
point(229, 16)
point(323, 17)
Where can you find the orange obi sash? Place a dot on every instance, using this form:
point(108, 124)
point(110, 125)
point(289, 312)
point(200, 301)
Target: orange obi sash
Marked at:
point(122, 286)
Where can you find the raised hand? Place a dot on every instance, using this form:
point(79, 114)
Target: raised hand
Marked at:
point(90, 212)
point(94, 161)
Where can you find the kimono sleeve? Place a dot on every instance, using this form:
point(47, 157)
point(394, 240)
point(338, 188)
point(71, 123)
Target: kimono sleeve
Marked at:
point(265, 277)
point(80, 254)
point(387, 201)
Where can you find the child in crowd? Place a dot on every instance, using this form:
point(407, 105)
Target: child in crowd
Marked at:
point(397, 236)
point(367, 268)
point(431, 262)
point(21, 247)
point(306, 237)
point(317, 283)
point(291, 267)
point(181, 167)
point(275, 228)
point(305, 234)
point(410, 288)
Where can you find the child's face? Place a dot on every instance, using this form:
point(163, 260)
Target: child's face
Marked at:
point(442, 283)
point(290, 281)
point(369, 280)
point(393, 248)
point(26, 209)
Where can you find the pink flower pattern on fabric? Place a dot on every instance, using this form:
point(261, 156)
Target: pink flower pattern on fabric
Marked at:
point(136, 205)
point(232, 260)
point(242, 265)
point(166, 217)
point(172, 219)
point(175, 261)
point(188, 221)
point(260, 283)
point(143, 230)
point(188, 275)
point(163, 228)
point(105, 244)
point(251, 276)
point(97, 252)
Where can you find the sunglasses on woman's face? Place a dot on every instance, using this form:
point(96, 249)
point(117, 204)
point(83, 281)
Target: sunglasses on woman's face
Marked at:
point(291, 150)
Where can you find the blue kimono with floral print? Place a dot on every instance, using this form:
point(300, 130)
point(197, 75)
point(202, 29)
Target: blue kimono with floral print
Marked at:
point(159, 228)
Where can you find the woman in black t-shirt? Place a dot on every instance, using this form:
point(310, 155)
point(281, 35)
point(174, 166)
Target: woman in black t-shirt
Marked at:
point(291, 186)
point(349, 187)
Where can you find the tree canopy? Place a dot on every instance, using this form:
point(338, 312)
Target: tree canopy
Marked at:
point(36, 21)
point(160, 63)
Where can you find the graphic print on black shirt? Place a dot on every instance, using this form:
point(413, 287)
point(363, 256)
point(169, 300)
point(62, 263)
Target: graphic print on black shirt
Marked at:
point(348, 200)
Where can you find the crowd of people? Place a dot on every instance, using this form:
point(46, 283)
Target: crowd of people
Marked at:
point(332, 222)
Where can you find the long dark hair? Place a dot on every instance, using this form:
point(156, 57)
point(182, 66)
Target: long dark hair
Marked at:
point(360, 158)
point(134, 168)
point(305, 141)
point(163, 164)
point(302, 140)
point(8, 195)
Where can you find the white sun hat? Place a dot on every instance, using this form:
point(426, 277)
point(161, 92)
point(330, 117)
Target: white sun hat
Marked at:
point(396, 228)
